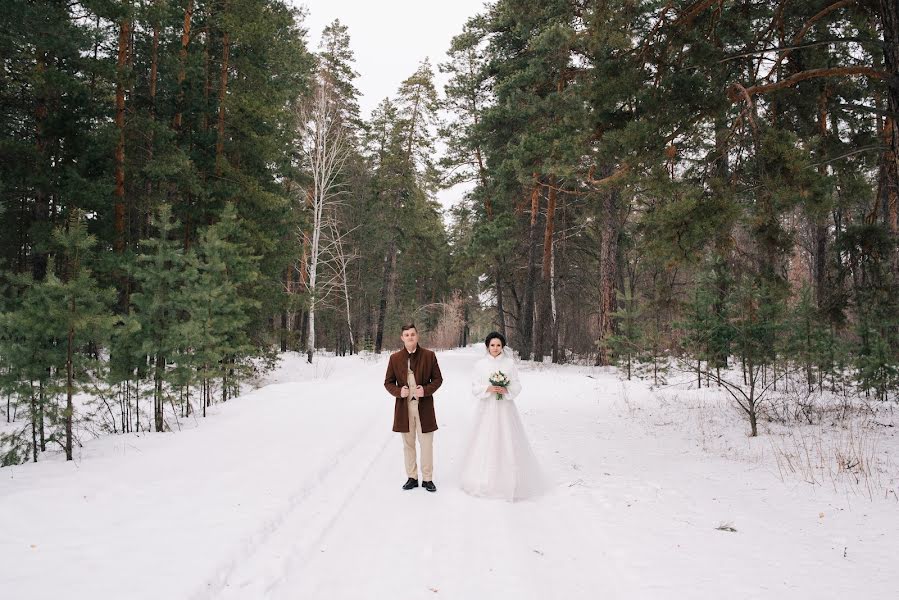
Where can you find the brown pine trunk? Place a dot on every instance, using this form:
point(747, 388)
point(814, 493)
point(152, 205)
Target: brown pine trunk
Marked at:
point(223, 90)
point(820, 228)
point(544, 314)
point(124, 37)
point(389, 266)
point(182, 61)
point(70, 408)
point(154, 69)
point(889, 174)
point(41, 403)
point(154, 76)
point(488, 208)
point(41, 212)
point(207, 81)
point(482, 172)
point(157, 393)
point(179, 115)
point(500, 307)
point(557, 354)
point(33, 426)
point(303, 320)
point(608, 274)
point(526, 316)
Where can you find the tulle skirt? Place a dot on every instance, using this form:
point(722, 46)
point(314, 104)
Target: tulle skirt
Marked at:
point(498, 461)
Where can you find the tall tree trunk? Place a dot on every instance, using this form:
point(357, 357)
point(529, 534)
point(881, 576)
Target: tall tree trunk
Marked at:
point(608, 273)
point(207, 79)
point(137, 405)
point(70, 385)
point(465, 325)
point(41, 412)
point(554, 324)
point(314, 251)
point(154, 76)
point(889, 175)
point(346, 297)
point(121, 64)
point(302, 318)
point(722, 170)
point(304, 327)
point(526, 323)
point(820, 227)
point(310, 339)
point(488, 208)
point(40, 219)
point(285, 314)
point(182, 62)
point(387, 275)
point(119, 209)
point(223, 90)
point(500, 307)
point(157, 392)
point(180, 104)
point(33, 427)
point(544, 314)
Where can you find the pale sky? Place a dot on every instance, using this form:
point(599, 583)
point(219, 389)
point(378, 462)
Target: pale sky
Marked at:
point(390, 38)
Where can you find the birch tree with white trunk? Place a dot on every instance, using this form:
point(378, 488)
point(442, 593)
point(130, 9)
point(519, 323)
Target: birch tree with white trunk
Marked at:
point(324, 148)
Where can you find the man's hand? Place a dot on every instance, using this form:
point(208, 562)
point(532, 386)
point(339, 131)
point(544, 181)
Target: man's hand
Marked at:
point(419, 392)
point(404, 393)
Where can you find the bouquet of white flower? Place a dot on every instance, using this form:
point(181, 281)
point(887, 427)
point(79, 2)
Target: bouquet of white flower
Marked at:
point(499, 378)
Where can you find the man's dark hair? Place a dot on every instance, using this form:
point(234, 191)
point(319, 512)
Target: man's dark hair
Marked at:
point(409, 325)
point(495, 335)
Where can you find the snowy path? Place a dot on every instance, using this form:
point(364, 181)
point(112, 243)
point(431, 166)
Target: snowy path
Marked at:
point(293, 491)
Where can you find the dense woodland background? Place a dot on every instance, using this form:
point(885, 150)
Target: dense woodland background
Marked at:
point(187, 188)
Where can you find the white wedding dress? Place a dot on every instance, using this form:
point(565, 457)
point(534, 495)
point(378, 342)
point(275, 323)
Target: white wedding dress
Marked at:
point(498, 461)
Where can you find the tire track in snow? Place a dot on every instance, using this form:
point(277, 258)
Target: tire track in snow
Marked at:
point(216, 584)
point(290, 566)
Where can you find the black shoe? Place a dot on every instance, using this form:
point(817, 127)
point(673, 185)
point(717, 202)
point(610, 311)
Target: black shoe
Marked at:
point(411, 483)
point(429, 485)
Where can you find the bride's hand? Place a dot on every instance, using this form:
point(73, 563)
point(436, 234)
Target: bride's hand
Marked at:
point(496, 389)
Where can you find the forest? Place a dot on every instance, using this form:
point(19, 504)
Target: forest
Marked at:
point(188, 189)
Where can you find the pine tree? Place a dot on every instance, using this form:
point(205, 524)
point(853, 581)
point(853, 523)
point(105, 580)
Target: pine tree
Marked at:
point(161, 275)
point(335, 61)
point(626, 346)
point(400, 143)
point(79, 309)
point(32, 360)
point(216, 299)
point(876, 352)
point(808, 340)
point(48, 339)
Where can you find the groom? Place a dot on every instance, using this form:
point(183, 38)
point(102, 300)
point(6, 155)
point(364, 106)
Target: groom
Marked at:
point(412, 378)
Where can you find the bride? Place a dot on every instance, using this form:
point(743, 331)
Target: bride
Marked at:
point(499, 462)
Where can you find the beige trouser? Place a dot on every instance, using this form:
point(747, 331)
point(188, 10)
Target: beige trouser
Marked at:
point(425, 440)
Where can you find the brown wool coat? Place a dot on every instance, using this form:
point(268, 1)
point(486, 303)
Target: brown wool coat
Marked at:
point(427, 375)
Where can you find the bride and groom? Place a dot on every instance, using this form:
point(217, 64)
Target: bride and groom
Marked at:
point(498, 460)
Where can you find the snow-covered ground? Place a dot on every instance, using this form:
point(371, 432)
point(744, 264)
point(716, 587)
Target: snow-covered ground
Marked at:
point(293, 491)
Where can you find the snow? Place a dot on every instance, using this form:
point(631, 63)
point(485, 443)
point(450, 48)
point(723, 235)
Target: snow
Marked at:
point(293, 491)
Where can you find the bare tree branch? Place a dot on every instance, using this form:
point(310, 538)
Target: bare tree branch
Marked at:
point(736, 91)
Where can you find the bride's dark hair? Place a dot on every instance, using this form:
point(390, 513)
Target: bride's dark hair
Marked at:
point(495, 335)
